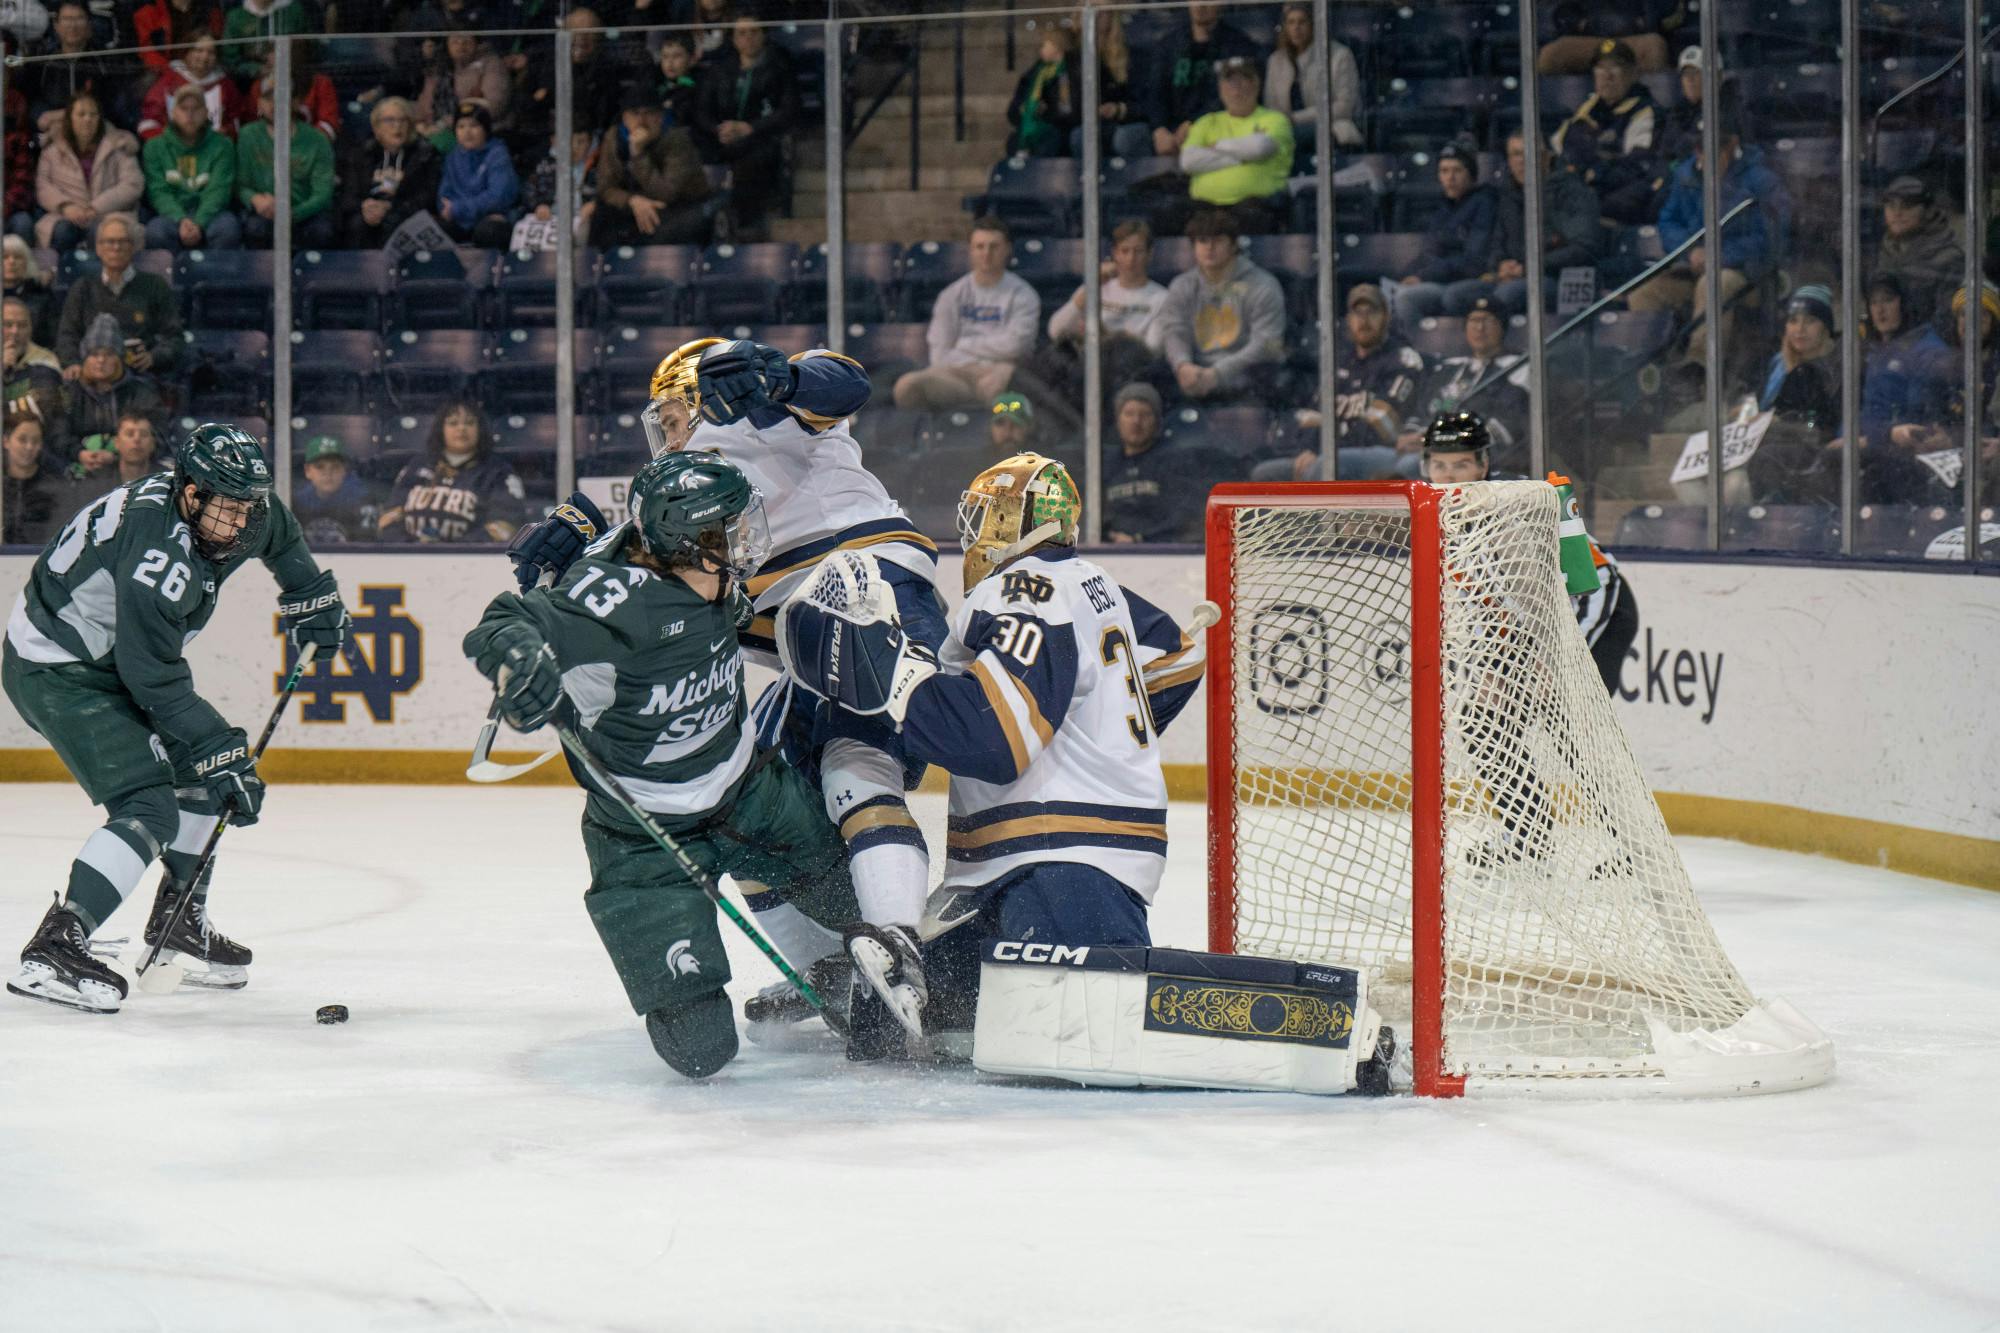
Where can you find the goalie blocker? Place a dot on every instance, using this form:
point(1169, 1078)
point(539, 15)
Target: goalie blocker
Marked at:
point(1127, 1017)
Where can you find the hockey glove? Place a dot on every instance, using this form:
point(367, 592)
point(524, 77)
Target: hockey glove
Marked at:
point(550, 547)
point(229, 776)
point(314, 614)
point(521, 664)
point(735, 377)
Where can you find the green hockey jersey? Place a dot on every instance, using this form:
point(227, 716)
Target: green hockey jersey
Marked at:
point(123, 589)
point(652, 678)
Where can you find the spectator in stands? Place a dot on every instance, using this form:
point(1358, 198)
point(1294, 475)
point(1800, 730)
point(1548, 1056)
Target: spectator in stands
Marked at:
point(32, 377)
point(250, 27)
point(1609, 139)
point(1047, 106)
point(1153, 492)
point(1010, 424)
point(102, 394)
point(1577, 31)
point(198, 67)
point(1680, 124)
point(37, 497)
point(1920, 244)
point(595, 79)
point(1237, 158)
point(336, 504)
point(1375, 381)
point(191, 181)
point(147, 311)
point(1129, 304)
point(133, 448)
point(1223, 322)
point(22, 279)
point(1184, 85)
point(1503, 403)
point(478, 188)
point(1907, 369)
point(541, 193)
point(715, 16)
point(256, 180)
point(88, 169)
point(1293, 85)
point(679, 92)
point(1750, 243)
point(459, 490)
point(1801, 390)
point(1949, 433)
point(82, 67)
point(749, 103)
point(386, 179)
point(1571, 233)
point(982, 326)
point(651, 189)
point(1121, 120)
point(312, 91)
point(17, 340)
point(468, 71)
point(1457, 244)
point(164, 27)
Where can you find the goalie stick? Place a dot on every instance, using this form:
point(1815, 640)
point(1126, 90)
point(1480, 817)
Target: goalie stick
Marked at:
point(155, 977)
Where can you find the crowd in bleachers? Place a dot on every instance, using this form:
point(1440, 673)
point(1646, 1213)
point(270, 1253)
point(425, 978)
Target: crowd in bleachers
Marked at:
point(141, 188)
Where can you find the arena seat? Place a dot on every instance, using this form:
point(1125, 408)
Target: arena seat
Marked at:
point(1429, 41)
point(743, 284)
point(356, 434)
point(642, 284)
point(1673, 527)
point(627, 357)
point(228, 371)
point(1053, 267)
point(1438, 336)
point(336, 370)
point(227, 289)
point(441, 289)
point(1388, 255)
point(888, 351)
point(1798, 528)
point(520, 370)
point(871, 269)
point(1035, 196)
point(341, 289)
point(420, 370)
point(524, 288)
point(928, 267)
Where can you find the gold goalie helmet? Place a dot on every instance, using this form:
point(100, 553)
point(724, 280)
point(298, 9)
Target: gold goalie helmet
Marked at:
point(1013, 507)
point(675, 380)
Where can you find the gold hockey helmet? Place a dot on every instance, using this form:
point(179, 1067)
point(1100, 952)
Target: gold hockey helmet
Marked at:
point(1012, 507)
point(675, 380)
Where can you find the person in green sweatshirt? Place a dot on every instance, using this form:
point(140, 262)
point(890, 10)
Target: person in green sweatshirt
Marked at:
point(253, 19)
point(256, 183)
point(190, 180)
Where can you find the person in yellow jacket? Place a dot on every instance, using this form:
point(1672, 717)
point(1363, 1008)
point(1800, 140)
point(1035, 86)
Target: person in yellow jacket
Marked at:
point(1238, 158)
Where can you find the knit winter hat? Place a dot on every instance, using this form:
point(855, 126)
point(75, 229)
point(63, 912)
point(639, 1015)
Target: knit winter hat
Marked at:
point(1989, 300)
point(103, 335)
point(1138, 391)
point(1816, 300)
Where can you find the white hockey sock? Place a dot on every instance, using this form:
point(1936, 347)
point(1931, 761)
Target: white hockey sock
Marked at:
point(891, 881)
point(886, 852)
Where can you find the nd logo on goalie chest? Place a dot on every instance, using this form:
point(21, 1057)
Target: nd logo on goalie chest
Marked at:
point(382, 658)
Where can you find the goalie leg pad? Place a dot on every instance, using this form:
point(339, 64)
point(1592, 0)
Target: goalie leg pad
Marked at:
point(1131, 1017)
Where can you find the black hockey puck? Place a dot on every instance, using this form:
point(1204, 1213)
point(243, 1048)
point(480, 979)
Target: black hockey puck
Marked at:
point(332, 1013)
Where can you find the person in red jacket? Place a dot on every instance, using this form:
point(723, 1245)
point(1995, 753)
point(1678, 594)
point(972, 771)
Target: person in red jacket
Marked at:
point(163, 27)
point(201, 66)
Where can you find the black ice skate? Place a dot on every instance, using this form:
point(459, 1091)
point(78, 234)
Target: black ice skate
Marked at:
point(887, 967)
point(779, 1005)
point(57, 966)
point(223, 963)
point(1371, 1076)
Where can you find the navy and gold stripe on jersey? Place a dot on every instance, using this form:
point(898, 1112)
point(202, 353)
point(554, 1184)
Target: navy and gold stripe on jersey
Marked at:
point(1047, 826)
point(800, 558)
point(878, 820)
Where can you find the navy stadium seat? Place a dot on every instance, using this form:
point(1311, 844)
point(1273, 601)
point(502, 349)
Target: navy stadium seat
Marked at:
point(1035, 196)
point(614, 444)
point(442, 289)
point(627, 357)
point(1053, 267)
point(227, 371)
point(871, 268)
point(1172, 256)
point(227, 289)
point(1438, 336)
point(928, 268)
point(422, 370)
point(524, 288)
point(1757, 527)
point(790, 339)
point(335, 370)
point(743, 284)
point(341, 289)
point(1389, 255)
point(520, 370)
point(644, 284)
point(887, 351)
point(1672, 527)
point(355, 433)
point(1429, 41)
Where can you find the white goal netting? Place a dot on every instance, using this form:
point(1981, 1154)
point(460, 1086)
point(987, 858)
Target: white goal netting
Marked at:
point(1571, 934)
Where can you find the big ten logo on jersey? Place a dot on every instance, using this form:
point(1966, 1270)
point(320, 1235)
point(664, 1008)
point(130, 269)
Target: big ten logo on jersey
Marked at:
point(611, 495)
point(1028, 585)
point(1290, 659)
point(382, 658)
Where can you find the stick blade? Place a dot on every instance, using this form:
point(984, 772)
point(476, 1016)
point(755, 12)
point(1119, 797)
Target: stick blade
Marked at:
point(486, 770)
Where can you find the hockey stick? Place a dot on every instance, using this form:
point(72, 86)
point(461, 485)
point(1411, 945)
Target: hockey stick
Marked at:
point(703, 880)
point(482, 768)
point(158, 980)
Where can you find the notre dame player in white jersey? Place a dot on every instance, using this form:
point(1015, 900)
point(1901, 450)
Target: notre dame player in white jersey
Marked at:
point(1045, 705)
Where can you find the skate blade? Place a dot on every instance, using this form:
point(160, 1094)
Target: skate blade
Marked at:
point(216, 978)
point(39, 982)
point(874, 963)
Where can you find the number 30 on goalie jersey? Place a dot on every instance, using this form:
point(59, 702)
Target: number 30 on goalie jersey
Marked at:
point(1056, 685)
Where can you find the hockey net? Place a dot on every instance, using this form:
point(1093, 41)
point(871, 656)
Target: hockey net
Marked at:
point(1414, 766)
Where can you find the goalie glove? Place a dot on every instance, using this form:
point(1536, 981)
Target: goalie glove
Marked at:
point(840, 638)
point(735, 377)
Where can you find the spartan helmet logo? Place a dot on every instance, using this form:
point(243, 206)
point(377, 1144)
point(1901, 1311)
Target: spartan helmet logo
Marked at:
point(681, 961)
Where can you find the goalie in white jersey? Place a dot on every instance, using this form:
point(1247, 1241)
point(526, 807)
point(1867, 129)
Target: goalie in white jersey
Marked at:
point(1045, 705)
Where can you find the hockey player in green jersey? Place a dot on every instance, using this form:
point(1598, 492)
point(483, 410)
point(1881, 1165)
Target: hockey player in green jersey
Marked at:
point(93, 661)
point(637, 647)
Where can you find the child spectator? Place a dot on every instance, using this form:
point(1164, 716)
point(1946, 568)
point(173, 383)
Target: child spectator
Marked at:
point(1184, 87)
point(679, 88)
point(147, 311)
point(191, 181)
point(748, 105)
point(104, 393)
point(1920, 244)
point(1609, 139)
point(1153, 492)
point(1045, 107)
point(38, 495)
point(88, 169)
point(1456, 245)
point(134, 449)
point(256, 181)
point(252, 20)
point(1238, 157)
point(198, 67)
point(650, 185)
point(388, 177)
point(163, 27)
point(1223, 322)
point(477, 190)
point(336, 504)
point(459, 491)
point(1293, 86)
point(982, 326)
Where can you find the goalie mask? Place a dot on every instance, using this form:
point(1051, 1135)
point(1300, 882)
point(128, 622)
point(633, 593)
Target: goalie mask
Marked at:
point(699, 509)
point(1013, 507)
point(676, 380)
point(232, 489)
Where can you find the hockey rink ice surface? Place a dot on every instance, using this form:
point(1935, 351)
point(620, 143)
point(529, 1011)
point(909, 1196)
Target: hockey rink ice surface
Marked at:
point(490, 1142)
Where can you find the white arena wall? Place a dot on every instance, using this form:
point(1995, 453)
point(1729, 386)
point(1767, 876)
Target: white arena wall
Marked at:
point(1818, 708)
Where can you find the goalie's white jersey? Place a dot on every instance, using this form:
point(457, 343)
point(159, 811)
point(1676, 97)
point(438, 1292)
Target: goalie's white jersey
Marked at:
point(1055, 686)
point(818, 494)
